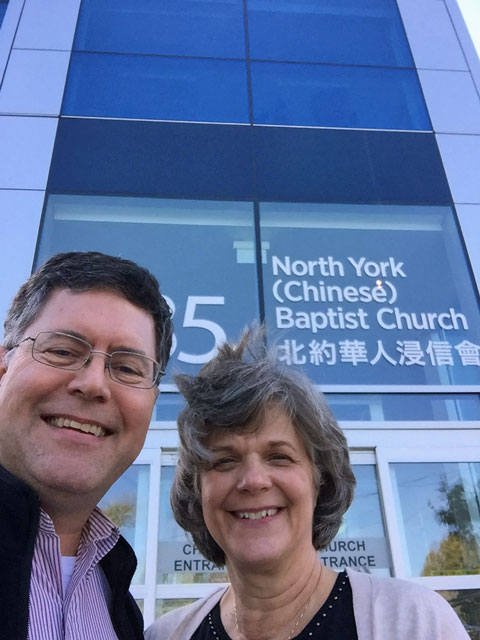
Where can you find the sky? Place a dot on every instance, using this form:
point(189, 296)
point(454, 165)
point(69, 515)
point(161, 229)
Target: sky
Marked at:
point(471, 14)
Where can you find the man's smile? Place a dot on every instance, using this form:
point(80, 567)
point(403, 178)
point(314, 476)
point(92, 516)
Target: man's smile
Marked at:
point(68, 423)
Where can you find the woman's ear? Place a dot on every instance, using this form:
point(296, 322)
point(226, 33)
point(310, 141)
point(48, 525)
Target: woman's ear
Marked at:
point(3, 361)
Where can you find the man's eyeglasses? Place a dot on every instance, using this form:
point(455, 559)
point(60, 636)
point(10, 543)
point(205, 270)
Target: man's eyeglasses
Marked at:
point(64, 351)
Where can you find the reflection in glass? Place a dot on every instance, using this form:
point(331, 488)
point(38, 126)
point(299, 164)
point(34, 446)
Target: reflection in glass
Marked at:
point(467, 607)
point(362, 532)
point(165, 605)
point(178, 559)
point(438, 507)
point(126, 504)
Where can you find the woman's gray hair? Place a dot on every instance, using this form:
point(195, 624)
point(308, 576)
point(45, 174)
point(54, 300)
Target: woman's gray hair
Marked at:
point(233, 392)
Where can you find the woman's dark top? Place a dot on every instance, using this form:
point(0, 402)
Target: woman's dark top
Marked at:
point(333, 621)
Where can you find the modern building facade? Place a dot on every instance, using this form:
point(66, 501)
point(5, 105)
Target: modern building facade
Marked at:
point(311, 165)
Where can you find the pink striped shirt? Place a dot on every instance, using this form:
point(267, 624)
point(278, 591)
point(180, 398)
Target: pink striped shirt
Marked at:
point(83, 612)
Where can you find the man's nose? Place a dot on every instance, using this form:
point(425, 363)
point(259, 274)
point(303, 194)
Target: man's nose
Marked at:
point(92, 380)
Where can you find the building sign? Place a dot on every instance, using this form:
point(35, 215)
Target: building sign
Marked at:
point(391, 304)
point(364, 554)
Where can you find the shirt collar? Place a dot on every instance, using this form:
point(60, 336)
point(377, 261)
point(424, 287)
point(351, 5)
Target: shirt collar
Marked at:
point(97, 528)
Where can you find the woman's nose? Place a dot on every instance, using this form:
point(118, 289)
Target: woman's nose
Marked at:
point(253, 476)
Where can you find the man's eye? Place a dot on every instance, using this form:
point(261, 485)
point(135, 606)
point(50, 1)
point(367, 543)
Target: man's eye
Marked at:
point(61, 352)
point(126, 369)
point(129, 366)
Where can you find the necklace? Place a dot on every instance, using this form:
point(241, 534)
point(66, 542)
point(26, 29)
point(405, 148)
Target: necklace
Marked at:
point(299, 616)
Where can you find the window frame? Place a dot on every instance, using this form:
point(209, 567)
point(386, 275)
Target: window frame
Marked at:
point(386, 456)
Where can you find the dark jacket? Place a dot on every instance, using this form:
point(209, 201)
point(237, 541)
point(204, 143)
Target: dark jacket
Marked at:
point(19, 518)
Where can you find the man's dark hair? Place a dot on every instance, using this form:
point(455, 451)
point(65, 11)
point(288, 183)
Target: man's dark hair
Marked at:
point(79, 271)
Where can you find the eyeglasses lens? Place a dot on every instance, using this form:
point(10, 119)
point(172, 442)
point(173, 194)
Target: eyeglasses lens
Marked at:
point(60, 350)
point(68, 352)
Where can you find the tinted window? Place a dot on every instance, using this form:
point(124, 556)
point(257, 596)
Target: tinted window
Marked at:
point(346, 31)
point(172, 27)
point(155, 87)
point(337, 96)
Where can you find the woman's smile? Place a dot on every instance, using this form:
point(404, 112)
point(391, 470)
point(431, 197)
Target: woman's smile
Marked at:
point(260, 514)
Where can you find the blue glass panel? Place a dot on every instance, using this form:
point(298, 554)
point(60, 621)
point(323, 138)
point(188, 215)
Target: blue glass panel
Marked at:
point(337, 96)
point(3, 9)
point(168, 406)
point(174, 27)
point(344, 31)
point(405, 406)
point(444, 407)
point(152, 158)
point(370, 407)
point(348, 166)
point(211, 161)
point(156, 87)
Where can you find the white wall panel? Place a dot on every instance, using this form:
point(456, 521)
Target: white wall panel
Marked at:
point(431, 35)
point(463, 35)
point(43, 75)
point(47, 24)
point(452, 101)
point(7, 32)
point(461, 158)
point(26, 145)
point(469, 218)
point(20, 213)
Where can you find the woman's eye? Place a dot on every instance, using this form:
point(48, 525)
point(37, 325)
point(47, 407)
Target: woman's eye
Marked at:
point(281, 457)
point(223, 463)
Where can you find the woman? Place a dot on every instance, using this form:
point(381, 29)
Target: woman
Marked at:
point(262, 483)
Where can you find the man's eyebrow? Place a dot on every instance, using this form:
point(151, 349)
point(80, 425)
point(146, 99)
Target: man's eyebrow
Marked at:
point(81, 336)
point(69, 332)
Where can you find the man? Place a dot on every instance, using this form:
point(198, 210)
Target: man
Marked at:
point(86, 341)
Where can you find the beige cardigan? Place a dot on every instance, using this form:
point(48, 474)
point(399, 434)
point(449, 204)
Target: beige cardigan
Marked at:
point(384, 608)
